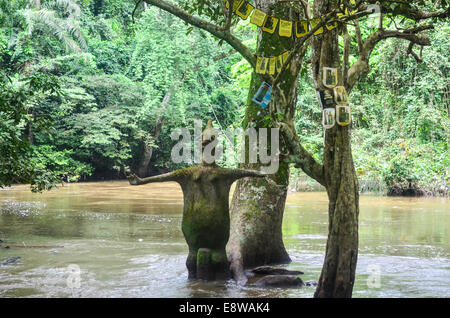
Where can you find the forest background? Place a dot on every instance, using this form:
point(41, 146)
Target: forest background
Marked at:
point(87, 94)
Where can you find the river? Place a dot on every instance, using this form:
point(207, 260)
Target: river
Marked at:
point(127, 242)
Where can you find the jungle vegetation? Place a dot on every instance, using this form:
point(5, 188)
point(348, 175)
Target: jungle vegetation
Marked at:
point(113, 75)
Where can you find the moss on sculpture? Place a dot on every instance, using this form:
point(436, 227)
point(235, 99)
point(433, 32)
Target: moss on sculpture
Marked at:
point(206, 219)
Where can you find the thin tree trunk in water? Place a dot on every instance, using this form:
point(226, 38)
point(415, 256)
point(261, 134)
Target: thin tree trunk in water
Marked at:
point(338, 272)
point(148, 150)
point(257, 206)
point(30, 128)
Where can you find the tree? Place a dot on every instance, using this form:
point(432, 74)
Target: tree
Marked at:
point(257, 208)
point(401, 125)
point(29, 30)
point(37, 28)
point(59, 18)
point(338, 272)
point(113, 115)
point(179, 84)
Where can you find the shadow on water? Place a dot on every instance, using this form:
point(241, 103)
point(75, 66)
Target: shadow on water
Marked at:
point(126, 242)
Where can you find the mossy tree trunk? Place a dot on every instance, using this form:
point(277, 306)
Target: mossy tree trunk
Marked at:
point(338, 272)
point(257, 206)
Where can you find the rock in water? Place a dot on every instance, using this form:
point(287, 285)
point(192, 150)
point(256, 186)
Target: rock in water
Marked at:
point(11, 260)
point(249, 274)
point(311, 283)
point(273, 270)
point(280, 281)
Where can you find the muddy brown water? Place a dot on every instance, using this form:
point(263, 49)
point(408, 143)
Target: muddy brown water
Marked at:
point(127, 242)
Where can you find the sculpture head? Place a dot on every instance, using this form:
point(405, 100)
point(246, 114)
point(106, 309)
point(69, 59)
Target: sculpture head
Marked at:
point(209, 143)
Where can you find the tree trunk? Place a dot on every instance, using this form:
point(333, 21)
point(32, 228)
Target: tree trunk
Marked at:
point(256, 219)
point(257, 206)
point(338, 272)
point(148, 150)
point(30, 128)
point(142, 170)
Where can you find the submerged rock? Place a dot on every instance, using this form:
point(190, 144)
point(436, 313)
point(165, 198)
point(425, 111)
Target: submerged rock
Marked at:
point(280, 281)
point(11, 260)
point(273, 270)
point(249, 274)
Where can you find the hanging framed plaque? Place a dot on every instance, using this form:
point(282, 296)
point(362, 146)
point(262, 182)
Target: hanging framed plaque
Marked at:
point(326, 99)
point(315, 22)
point(340, 95)
point(328, 118)
point(331, 26)
point(272, 65)
point(285, 55)
point(343, 115)
point(236, 4)
point(330, 77)
point(262, 97)
point(261, 64)
point(285, 28)
point(279, 63)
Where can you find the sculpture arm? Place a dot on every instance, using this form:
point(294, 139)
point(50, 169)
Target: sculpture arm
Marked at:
point(242, 173)
point(135, 180)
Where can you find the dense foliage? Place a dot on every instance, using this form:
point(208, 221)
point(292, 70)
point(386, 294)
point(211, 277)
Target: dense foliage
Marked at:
point(16, 116)
point(125, 86)
point(400, 119)
point(112, 93)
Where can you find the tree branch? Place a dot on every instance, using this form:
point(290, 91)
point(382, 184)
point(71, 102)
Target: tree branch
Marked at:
point(223, 55)
point(135, 180)
point(135, 8)
point(358, 37)
point(207, 26)
point(362, 64)
point(346, 54)
point(405, 9)
point(301, 157)
point(235, 174)
point(410, 51)
point(229, 16)
point(299, 44)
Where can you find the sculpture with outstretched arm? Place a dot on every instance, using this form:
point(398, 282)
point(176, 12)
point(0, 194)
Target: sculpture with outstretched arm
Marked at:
point(206, 219)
